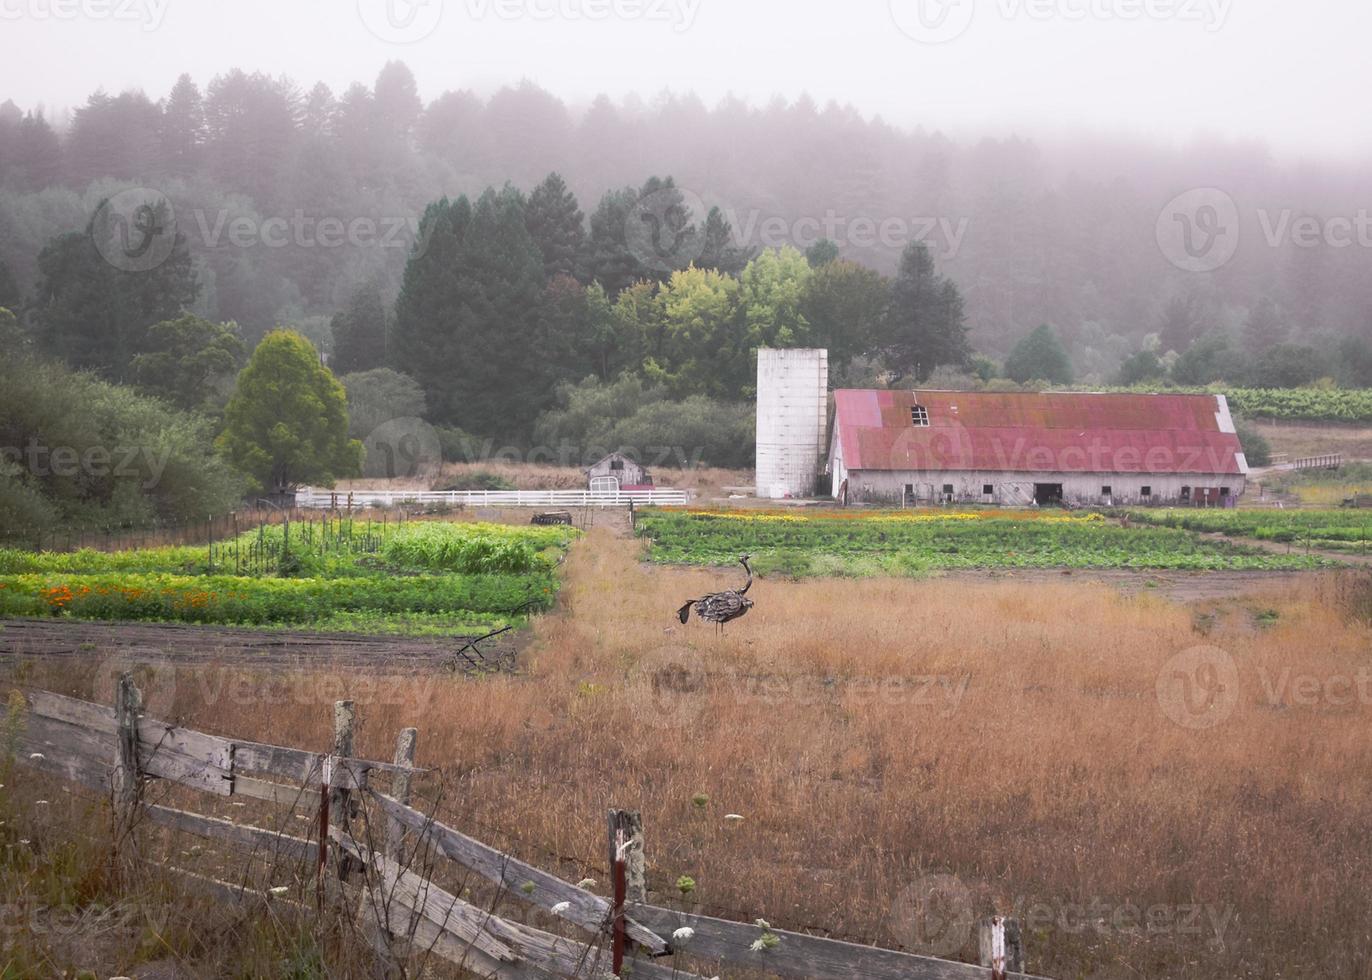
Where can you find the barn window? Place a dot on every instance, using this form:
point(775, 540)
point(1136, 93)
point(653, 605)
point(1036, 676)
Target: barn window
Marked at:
point(988, 489)
point(616, 464)
point(1146, 492)
point(1185, 493)
point(1224, 491)
point(1105, 491)
point(919, 415)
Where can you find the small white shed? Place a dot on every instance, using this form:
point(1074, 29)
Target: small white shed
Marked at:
point(620, 467)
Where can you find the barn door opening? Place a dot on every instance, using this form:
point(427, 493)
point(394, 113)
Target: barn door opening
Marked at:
point(1047, 494)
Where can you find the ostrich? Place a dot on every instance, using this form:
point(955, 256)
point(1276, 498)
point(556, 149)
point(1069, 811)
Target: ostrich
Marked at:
point(721, 607)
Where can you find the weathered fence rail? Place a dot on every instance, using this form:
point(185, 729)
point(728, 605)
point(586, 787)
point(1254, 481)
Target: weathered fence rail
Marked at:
point(313, 498)
point(406, 912)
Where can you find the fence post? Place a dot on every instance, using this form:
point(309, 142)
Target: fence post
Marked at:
point(400, 788)
point(1001, 946)
point(631, 823)
point(344, 717)
point(626, 867)
point(128, 776)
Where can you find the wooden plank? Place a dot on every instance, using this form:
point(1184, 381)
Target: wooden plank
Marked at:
point(461, 919)
point(228, 891)
point(799, 955)
point(426, 937)
point(188, 771)
point(252, 757)
point(261, 789)
point(252, 838)
point(590, 912)
point(563, 957)
point(56, 759)
point(72, 739)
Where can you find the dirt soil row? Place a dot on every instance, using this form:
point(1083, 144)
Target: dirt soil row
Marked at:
point(228, 646)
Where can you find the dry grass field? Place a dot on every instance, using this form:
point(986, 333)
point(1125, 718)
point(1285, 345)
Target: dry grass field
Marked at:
point(1297, 439)
point(1157, 789)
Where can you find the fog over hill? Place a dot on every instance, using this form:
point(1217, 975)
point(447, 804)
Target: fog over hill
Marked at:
point(1083, 232)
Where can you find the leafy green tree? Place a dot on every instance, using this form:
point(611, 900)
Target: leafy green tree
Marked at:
point(1257, 451)
point(1141, 366)
point(1286, 366)
point(925, 323)
point(468, 318)
point(644, 233)
point(190, 361)
point(702, 350)
point(1264, 327)
point(360, 331)
point(427, 345)
point(1039, 356)
point(719, 252)
point(287, 422)
point(183, 128)
point(1211, 358)
point(845, 307)
point(96, 316)
point(89, 453)
point(771, 299)
point(379, 396)
point(1355, 362)
point(822, 252)
point(557, 226)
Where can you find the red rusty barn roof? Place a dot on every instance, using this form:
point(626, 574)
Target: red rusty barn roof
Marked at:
point(1053, 432)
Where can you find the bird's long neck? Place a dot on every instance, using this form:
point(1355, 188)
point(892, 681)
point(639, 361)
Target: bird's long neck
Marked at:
point(749, 583)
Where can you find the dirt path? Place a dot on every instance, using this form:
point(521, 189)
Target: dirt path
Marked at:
point(228, 646)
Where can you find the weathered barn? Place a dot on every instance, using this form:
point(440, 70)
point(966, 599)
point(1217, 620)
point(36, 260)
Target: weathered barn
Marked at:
point(622, 468)
point(1028, 448)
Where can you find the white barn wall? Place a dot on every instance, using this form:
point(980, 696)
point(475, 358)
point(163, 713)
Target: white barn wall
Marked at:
point(792, 414)
point(1017, 489)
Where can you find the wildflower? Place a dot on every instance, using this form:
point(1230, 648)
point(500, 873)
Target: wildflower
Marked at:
point(560, 907)
point(586, 883)
point(686, 884)
point(733, 817)
point(528, 887)
point(683, 935)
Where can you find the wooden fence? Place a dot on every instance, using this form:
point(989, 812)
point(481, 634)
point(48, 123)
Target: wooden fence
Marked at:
point(309, 497)
point(392, 896)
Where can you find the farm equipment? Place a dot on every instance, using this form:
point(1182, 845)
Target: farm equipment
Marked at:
point(1362, 500)
point(552, 517)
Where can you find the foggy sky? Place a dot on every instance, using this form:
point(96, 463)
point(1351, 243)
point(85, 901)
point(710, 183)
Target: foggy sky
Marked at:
point(1291, 74)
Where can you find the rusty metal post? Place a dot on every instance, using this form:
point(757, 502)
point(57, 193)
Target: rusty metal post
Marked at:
point(621, 888)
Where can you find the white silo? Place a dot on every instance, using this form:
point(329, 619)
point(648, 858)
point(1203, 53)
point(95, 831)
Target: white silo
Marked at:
point(792, 416)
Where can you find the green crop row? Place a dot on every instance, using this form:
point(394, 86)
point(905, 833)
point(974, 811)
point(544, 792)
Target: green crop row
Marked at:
point(327, 549)
point(255, 601)
point(847, 546)
point(1338, 529)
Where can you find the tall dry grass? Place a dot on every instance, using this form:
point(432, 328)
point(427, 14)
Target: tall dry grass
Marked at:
point(892, 743)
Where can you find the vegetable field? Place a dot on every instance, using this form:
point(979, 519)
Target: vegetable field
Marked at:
point(1336, 530)
point(913, 542)
point(331, 574)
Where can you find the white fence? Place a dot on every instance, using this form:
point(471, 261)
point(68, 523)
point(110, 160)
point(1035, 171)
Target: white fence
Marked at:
point(311, 497)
